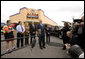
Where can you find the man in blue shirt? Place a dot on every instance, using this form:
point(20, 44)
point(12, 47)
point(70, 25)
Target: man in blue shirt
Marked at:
point(41, 30)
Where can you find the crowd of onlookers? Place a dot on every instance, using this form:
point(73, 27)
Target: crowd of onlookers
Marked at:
point(71, 35)
point(75, 35)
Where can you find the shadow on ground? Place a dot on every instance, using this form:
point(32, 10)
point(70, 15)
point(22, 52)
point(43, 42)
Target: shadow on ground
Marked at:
point(56, 44)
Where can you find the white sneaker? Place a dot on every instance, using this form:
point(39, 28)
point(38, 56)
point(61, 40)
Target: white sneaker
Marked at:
point(8, 50)
point(13, 48)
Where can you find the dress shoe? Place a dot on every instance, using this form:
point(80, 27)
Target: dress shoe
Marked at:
point(41, 48)
point(44, 47)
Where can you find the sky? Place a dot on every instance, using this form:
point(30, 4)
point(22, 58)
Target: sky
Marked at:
point(57, 11)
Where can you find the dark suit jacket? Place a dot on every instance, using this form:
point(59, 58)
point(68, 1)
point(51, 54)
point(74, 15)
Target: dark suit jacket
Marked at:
point(42, 29)
point(73, 40)
point(64, 30)
point(48, 32)
point(32, 29)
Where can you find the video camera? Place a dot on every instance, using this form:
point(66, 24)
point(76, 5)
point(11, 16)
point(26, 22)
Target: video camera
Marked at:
point(77, 20)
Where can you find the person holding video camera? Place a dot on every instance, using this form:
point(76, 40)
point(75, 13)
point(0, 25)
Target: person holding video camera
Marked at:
point(81, 34)
point(78, 31)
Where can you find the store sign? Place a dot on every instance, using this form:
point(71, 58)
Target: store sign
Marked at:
point(32, 15)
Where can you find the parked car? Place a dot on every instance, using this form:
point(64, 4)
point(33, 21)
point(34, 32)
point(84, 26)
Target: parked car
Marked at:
point(60, 34)
point(56, 31)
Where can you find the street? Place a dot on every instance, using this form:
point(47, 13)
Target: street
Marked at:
point(53, 50)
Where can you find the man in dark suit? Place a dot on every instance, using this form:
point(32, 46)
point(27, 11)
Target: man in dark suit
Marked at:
point(32, 31)
point(48, 33)
point(41, 30)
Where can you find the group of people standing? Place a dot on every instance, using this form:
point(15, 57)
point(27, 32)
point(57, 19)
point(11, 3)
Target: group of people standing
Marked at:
point(74, 35)
point(70, 36)
point(24, 32)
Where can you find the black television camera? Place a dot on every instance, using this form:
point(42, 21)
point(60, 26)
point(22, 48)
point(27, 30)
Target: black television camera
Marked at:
point(77, 20)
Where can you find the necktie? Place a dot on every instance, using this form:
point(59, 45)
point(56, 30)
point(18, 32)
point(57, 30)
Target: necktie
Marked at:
point(33, 26)
point(42, 26)
point(22, 28)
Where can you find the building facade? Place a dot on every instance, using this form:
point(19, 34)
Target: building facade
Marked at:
point(29, 15)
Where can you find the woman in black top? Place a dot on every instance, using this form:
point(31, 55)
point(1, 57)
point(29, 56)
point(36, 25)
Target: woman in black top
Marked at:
point(64, 30)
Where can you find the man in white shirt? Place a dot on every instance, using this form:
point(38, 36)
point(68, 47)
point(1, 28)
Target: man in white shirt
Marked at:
point(20, 33)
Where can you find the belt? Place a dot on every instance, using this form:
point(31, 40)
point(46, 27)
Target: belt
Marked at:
point(20, 32)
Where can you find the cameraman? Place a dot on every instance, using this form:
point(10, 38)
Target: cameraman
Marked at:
point(81, 33)
point(78, 32)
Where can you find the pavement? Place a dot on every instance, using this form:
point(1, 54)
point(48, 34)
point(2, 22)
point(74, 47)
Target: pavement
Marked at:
point(53, 50)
